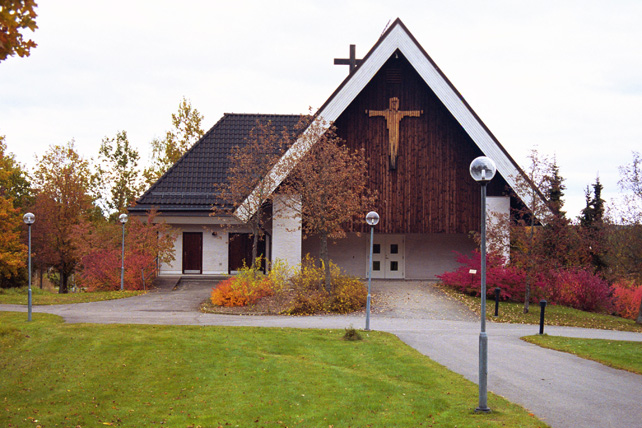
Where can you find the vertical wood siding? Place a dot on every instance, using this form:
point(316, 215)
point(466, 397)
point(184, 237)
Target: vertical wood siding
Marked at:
point(431, 190)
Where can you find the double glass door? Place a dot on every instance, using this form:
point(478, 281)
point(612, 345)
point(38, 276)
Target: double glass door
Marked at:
point(388, 257)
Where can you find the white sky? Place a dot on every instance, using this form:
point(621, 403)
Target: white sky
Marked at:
point(564, 77)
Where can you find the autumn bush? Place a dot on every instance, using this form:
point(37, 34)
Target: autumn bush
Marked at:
point(627, 296)
point(298, 291)
point(244, 289)
point(100, 249)
point(349, 294)
point(576, 288)
point(573, 287)
point(511, 280)
point(309, 295)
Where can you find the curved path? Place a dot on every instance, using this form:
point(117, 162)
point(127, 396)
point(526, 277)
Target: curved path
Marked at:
point(561, 389)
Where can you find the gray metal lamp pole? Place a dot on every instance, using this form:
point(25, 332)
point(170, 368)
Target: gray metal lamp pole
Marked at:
point(483, 169)
point(372, 218)
point(29, 219)
point(123, 219)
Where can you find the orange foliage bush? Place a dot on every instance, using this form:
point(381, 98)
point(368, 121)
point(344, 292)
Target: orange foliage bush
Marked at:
point(241, 291)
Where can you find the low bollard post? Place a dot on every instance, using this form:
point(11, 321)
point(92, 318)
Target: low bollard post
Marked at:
point(497, 290)
point(542, 305)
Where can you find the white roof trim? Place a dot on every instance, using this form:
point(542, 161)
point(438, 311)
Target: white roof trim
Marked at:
point(398, 37)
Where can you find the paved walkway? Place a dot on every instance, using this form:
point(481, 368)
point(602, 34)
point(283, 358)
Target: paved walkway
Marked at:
point(561, 389)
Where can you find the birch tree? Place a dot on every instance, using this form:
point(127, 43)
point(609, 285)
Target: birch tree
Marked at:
point(186, 130)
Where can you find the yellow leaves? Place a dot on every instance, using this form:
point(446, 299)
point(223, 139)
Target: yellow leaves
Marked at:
point(14, 17)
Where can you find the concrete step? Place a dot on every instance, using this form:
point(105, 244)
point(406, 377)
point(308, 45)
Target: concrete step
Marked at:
point(166, 282)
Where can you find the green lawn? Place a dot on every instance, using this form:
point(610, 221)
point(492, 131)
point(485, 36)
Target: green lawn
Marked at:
point(614, 353)
point(555, 315)
point(19, 296)
point(57, 374)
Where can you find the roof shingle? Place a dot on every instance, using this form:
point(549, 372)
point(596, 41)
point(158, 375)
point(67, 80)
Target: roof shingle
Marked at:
point(190, 184)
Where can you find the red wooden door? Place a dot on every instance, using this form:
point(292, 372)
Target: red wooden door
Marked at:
point(192, 252)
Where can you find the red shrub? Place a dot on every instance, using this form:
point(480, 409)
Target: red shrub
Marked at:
point(576, 288)
point(510, 279)
point(627, 299)
point(102, 268)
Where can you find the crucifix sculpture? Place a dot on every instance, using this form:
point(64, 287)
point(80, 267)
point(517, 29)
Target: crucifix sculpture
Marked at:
point(393, 116)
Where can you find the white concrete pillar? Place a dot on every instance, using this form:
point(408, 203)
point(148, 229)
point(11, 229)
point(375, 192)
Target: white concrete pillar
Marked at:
point(498, 225)
point(286, 231)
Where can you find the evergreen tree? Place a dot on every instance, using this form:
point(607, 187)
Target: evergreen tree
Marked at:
point(593, 228)
point(555, 190)
point(558, 244)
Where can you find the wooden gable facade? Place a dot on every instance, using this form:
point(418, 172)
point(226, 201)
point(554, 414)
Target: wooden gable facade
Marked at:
point(430, 189)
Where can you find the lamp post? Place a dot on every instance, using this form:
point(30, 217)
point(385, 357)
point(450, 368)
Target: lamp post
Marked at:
point(483, 169)
point(372, 218)
point(29, 219)
point(122, 219)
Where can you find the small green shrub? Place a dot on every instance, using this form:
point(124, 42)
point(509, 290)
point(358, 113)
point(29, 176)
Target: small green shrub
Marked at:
point(352, 334)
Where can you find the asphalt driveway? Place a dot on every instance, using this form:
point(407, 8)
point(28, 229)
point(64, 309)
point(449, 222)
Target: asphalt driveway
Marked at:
point(561, 389)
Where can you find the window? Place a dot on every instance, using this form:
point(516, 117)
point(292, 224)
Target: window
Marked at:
point(394, 266)
point(376, 249)
point(376, 265)
point(394, 249)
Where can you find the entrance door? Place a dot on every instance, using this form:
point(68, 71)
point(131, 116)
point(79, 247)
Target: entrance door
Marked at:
point(192, 252)
point(240, 251)
point(388, 257)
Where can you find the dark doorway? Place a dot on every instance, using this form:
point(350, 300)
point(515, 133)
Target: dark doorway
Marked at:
point(192, 252)
point(241, 251)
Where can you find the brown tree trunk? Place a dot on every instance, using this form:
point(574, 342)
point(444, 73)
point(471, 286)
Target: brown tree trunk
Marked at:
point(255, 248)
point(639, 318)
point(527, 291)
point(64, 279)
point(325, 258)
point(529, 275)
point(256, 225)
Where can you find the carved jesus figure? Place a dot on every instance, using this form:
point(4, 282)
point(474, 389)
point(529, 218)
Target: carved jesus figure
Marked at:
point(393, 116)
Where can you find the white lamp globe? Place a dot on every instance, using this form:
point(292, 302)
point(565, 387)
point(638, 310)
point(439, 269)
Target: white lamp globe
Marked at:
point(372, 218)
point(29, 218)
point(482, 169)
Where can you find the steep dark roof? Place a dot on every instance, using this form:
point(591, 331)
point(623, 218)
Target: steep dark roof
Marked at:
point(189, 185)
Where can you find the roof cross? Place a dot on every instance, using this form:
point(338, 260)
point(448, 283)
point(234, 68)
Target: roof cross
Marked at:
point(353, 62)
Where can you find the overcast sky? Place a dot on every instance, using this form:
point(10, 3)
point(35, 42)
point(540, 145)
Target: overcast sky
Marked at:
point(564, 77)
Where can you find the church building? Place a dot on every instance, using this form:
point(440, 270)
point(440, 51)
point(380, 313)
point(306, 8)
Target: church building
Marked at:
point(419, 137)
